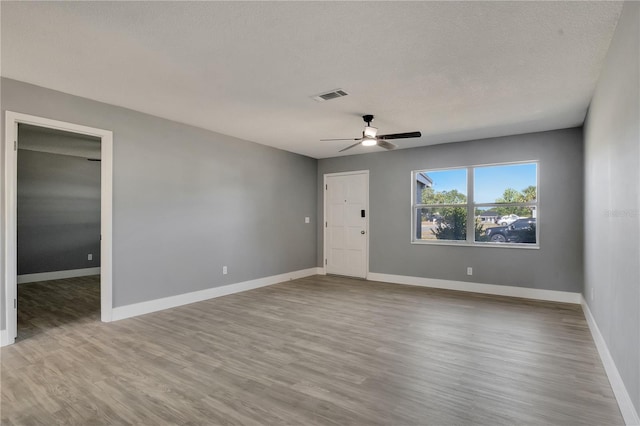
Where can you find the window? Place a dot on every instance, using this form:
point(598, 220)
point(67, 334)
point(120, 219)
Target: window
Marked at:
point(483, 205)
point(442, 205)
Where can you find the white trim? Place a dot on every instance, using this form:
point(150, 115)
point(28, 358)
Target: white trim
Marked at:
point(10, 260)
point(499, 290)
point(57, 275)
point(625, 403)
point(321, 271)
point(324, 218)
point(464, 243)
point(4, 338)
point(133, 310)
point(353, 172)
point(10, 214)
point(106, 226)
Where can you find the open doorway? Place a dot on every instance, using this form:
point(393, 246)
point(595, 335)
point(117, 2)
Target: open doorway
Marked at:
point(58, 229)
point(58, 218)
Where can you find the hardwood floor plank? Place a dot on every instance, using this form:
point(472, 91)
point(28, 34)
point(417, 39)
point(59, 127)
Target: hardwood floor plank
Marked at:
point(315, 351)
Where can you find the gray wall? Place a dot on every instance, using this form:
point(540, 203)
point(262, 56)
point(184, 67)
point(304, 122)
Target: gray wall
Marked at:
point(612, 234)
point(187, 201)
point(58, 211)
point(557, 265)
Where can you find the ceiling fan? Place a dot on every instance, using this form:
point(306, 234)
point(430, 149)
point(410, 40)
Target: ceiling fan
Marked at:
point(370, 136)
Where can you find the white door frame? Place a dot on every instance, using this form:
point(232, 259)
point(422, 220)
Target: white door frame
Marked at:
point(12, 119)
point(324, 228)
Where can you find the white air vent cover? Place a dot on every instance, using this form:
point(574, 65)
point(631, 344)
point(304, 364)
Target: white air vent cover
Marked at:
point(337, 93)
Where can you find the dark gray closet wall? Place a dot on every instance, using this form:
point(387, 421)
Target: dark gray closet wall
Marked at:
point(58, 205)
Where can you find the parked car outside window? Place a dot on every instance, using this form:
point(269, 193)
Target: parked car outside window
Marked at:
point(520, 231)
point(507, 220)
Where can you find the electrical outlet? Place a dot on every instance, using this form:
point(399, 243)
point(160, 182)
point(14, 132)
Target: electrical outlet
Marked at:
point(89, 256)
point(469, 270)
point(307, 219)
point(224, 270)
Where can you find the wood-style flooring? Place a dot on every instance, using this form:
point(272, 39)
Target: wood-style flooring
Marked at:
point(315, 351)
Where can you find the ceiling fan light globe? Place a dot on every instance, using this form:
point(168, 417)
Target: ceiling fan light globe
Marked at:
point(368, 141)
point(370, 132)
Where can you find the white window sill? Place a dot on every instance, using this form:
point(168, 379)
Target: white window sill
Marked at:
point(525, 246)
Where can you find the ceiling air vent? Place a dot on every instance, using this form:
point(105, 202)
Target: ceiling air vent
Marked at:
point(337, 93)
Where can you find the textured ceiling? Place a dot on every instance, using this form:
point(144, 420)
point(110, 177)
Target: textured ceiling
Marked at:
point(453, 70)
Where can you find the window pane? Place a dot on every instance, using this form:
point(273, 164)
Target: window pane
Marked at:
point(441, 223)
point(513, 183)
point(521, 231)
point(442, 187)
point(485, 217)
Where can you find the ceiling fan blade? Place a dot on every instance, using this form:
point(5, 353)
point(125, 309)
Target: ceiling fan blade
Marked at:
point(350, 139)
point(386, 145)
point(350, 146)
point(401, 135)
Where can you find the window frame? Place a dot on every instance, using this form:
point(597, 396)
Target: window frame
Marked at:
point(471, 207)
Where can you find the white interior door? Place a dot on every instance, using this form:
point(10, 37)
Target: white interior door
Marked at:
point(347, 224)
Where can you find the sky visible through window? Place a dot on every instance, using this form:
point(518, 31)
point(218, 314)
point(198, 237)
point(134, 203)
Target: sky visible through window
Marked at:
point(447, 180)
point(490, 181)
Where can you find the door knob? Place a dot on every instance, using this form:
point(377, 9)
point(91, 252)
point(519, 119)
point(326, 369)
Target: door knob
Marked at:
point(362, 232)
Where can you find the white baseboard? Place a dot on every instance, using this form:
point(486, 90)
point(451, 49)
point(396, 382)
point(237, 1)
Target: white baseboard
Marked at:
point(499, 290)
point(142, 308)
point(627, 409)
point(57, 275)
point(4, 337)
point(321, 271)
